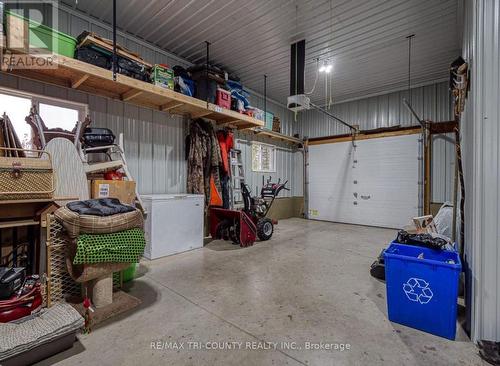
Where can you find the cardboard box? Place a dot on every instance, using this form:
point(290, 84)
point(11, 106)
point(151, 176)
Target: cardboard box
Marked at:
point(124, 190)
point(425, 224)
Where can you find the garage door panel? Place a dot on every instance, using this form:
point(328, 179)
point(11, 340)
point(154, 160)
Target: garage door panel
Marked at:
point(374, 183)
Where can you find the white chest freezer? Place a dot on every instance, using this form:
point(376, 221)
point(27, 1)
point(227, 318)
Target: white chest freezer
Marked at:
point(174, 223)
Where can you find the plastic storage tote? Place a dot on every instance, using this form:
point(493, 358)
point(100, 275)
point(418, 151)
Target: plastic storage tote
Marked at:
point(422, 288)
point(43, 37)
point(128, 274)
point(269, 121)
point(223, 98)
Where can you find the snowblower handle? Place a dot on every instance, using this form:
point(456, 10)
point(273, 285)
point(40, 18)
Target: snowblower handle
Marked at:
point(284, 186)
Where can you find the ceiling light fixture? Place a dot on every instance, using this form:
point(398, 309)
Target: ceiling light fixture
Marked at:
point(327, 67)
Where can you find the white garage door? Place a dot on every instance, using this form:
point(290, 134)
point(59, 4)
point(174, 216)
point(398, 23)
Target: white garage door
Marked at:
point(374, 183)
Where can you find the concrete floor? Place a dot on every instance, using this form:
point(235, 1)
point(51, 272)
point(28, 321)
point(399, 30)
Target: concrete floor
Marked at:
point(310, 283)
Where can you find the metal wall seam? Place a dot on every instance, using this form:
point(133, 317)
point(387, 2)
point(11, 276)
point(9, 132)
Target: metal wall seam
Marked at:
point(480, 135)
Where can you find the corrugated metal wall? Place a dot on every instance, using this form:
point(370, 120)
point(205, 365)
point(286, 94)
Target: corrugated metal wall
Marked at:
point(285, 165)
point(74, 23)
point(443, 167)
point(364, 38)
point(430, 102)
point(286, 116)
point(480, 135)
point(154, 141)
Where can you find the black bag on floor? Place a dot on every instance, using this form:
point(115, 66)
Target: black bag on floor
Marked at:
point(91, 55)
point(97, 137)
point(377, 268)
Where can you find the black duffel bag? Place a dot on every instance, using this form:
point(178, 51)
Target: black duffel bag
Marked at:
point(93, 56)
point(97, 137)
point(133, 69)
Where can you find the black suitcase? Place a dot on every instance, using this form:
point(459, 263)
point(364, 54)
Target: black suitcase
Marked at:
point(97, 137)
point(94, 56)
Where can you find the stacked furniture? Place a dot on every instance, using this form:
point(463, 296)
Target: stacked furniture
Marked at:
point(103, 236)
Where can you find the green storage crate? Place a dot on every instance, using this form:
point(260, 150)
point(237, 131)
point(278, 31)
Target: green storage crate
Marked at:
point(163, 76)
point(43, 37)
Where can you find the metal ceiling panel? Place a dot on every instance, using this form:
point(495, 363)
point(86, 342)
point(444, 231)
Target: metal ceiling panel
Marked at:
point(365, 39)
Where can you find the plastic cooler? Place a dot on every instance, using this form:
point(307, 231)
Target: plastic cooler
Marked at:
point(223, 98)
point(422, 288)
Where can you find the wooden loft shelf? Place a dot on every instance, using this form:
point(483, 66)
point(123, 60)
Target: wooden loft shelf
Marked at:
point(277, 136)
point(17, 223)
point(80, 75)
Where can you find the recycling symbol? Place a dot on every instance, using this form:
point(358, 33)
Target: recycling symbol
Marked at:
point(417, 290)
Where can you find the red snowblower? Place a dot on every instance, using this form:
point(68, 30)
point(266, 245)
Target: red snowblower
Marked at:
point(20, 296)
point(244, 226)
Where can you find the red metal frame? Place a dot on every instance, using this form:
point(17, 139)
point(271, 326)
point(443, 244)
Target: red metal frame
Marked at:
point(248, 229)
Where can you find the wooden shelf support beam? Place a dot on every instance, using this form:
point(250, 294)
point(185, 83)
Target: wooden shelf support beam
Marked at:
point(170, 105)
point(200, 114)
point(76, 83)
point(131, 94)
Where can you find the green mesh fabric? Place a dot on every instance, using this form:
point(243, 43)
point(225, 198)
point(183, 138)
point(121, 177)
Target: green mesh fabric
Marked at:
point(123, 246)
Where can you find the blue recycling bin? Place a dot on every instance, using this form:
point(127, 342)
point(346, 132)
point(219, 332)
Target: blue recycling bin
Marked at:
point(422, 288)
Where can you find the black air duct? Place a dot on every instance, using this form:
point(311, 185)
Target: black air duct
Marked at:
point(297, 67)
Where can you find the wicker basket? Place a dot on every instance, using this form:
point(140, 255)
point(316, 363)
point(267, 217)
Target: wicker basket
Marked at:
point(26, 178)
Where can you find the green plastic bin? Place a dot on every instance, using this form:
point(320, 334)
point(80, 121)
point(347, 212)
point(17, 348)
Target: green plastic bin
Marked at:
point(43, 37)
point(129, 273)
